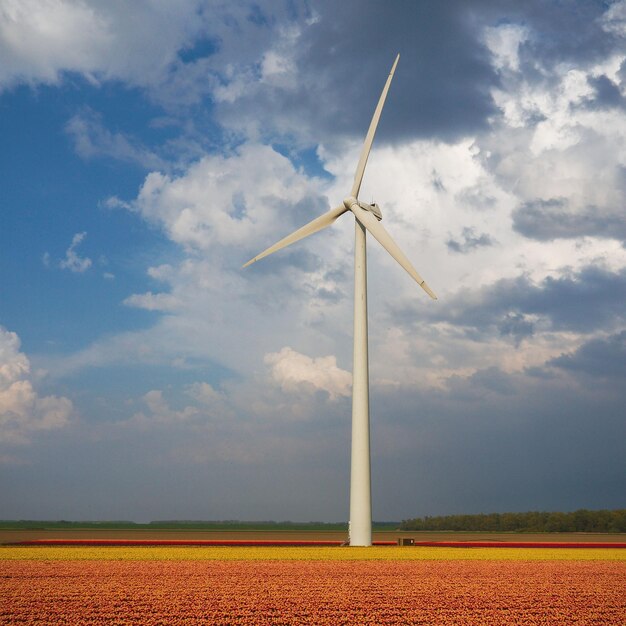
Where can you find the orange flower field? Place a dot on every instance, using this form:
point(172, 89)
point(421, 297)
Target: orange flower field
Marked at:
point(41, 588)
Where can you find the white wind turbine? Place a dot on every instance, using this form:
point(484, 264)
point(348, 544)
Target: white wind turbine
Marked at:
point(367, 218)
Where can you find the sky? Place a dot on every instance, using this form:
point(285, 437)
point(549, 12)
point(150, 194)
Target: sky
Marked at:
point(149, 149)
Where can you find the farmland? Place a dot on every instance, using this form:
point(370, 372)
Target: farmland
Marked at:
point(312, 585)
point(14, 535)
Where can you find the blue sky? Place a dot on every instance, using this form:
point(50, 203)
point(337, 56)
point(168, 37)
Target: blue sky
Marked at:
point(150, 149)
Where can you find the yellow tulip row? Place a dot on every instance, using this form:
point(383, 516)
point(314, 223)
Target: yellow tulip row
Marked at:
point(282, 553)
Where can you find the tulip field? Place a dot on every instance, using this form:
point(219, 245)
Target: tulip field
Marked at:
point(312, 585)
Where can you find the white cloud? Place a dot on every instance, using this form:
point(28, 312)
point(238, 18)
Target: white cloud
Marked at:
point(614, 20)
point(208, 407)
point(22, 410)
point(556, 147)
point(73, 261)
point(153, 301)
point(138, 42)
point(160, 411)
point(40, 38)
point(225, 201)
point(217, 403)
point(162, 47)
point(295, 372)
point(504, 42)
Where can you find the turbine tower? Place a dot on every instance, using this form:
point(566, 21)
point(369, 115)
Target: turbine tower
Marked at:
point(367, 218)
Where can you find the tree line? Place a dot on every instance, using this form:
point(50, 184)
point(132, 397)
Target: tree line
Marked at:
point(531, 521)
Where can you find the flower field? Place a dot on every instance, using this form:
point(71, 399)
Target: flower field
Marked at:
point(305, 585)
point(172, 552)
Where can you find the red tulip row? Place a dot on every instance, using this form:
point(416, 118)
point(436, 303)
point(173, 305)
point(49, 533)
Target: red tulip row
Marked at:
point(313, 592)
point(185, 542)
point(521, 544)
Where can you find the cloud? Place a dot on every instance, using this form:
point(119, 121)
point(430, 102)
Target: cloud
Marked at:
point(296, 373)
point(23, 412)
point(552, 219)
point(92, 139)
point(607, 93)
point(506, 440)
point(583, 302)
point(448, 87)
point(153, 301)
point(518, 326)
point(470, 242)
point(550, 43)
point(445, 87)
point(73, 261)
point(227, 201)
point(253, 423)
point(501, 128)
point(224, 208)
point(504, 43)
point(558, 143)
point(43, 40)
point(160, 411)
point(614, 19)
point(202, 406)
point(598, 358)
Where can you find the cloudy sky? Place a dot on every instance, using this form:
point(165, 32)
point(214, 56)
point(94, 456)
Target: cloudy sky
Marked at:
point(150, 148)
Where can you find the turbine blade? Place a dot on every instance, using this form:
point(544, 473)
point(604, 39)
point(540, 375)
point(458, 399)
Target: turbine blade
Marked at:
point(308, 229)
point(369, 138)
point(384, 238)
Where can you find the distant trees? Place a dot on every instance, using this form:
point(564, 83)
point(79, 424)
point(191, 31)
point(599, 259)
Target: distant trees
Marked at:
point(531, 521)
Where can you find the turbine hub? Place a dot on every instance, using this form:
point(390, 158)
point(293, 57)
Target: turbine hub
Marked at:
point(349, 202)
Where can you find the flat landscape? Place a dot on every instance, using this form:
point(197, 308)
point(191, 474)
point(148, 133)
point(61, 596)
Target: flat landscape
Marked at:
point(8, 536)
point(314, 585)
point(525, 578)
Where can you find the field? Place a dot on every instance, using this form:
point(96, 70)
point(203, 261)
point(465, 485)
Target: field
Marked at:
point(19, 534)
point(312, 585)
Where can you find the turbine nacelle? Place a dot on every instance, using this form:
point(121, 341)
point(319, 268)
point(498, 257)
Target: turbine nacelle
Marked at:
point(372, 208)
point(351, 201)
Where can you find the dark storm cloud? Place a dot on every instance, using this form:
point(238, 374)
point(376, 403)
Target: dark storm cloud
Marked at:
point(604, 358)
point(551, 219)
point(562, 32)
point(469, 241)
point(442, 88)
point(593, 298)
point(586, 301)
point(496, 442)
point(442, 85)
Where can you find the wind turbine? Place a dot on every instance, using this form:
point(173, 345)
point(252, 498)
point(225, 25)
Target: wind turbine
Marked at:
point(367, 218)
